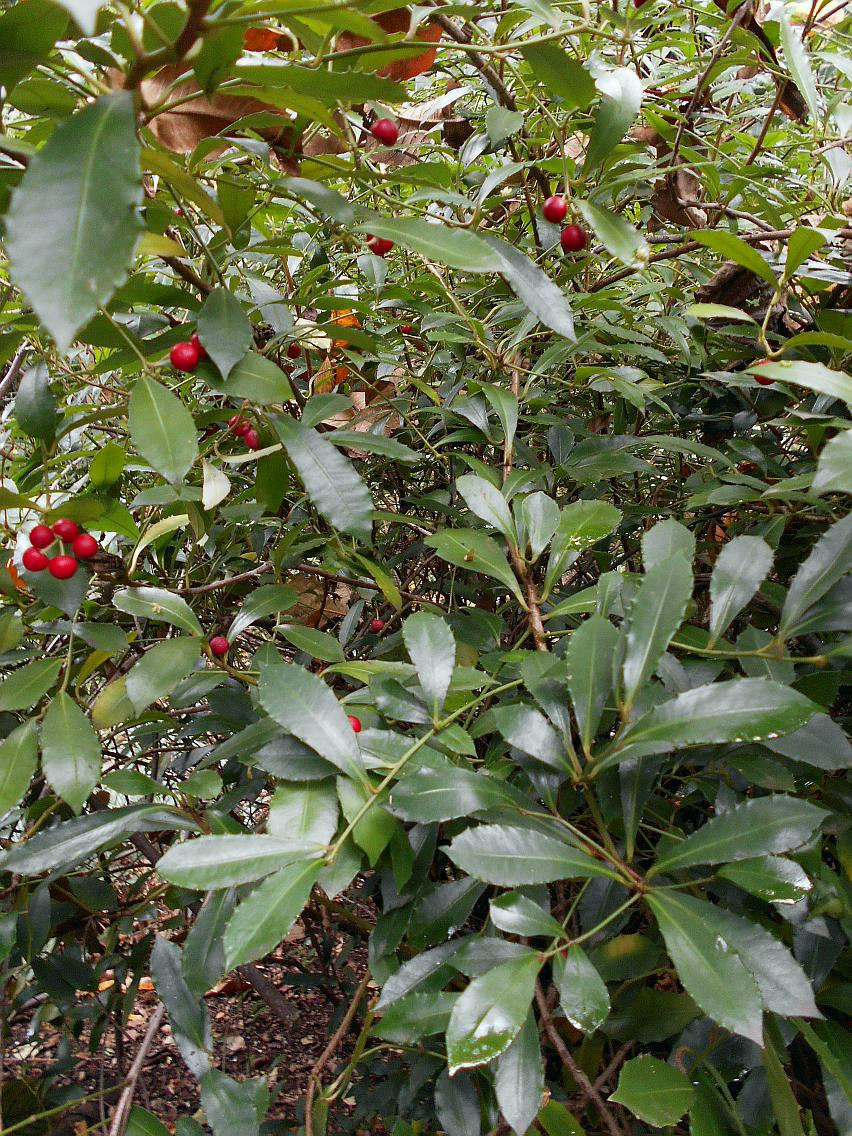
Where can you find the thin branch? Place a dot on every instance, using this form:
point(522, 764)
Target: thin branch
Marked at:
point(460, 35)
point(270, 994)
point(121, 1113)
point(329, 1052)
point(13, 371)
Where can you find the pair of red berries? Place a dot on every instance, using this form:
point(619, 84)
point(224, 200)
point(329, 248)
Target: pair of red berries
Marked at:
point(187, 355)
point(242, 428)
point(385, 130)
point(61, 567)
point(573, 238)
point(379, 245)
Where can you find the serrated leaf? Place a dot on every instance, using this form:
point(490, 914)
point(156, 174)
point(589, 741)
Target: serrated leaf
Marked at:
point(812, 376)
point(18, 759)
point(306, 812)
point(740, 569)
point(490, 1012)
point(581, 525)
point(188, 1015)
point(773, 878)
point(519, 915)
point(563, 74)
point(203, 962)
point(477, 552)
point(431, 647)
point(159, 605)
point(829, 560)
point(253, 378)
point(456, 248)
point(70, 751)
point(429, 795)
point(416, 1016)
point(665, 539)
point(262, 921)
point(162, 429)
point(529, 731)
point(87, 180)
point(511, 857)
point(335, 488)
point(653, 1091)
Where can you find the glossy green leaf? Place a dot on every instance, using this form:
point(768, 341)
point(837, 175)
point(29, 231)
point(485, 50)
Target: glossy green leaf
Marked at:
point(583, 995)
point(773, 878)
point(655, 615)
point(107, 465)
point(224, 330)
point(799, 64)
point(539, 515)
point(519, 1078)
point(711, 972)
point(534, 288)
point(510, 857)
point(303, 704)
point(18, 759)
point(28, 30)
point(740, 569)
point(812, 376)
point(268, 599)
point(253, 377)
point(622, 97)
point(335, 489)
point(86, 179)
point(519, 915)
point(162, 429)
point(414, 1017)
point(829, 560)
point(490, 1012)
point(588, 664)
point(529, 731)
point(581, 525)
point(35, 406)
point(834, 468)
point(159, 605)
point(488, 503)
point(762, 826)
point(457, 1105)
point(231, 1107)
point(563, 74)
point(616, 234)
point(160, 669)
point(432, 648)
point(303, 812)
point(475, 551)
point(188, 1015)
point(430, 795)
point(70, 751)
point(26, 686)
point(456, 248)
point(262, 921)
point(653, 1091)
point(665, 539)
point(203, 962)
point(225, 861)
point(736, 249)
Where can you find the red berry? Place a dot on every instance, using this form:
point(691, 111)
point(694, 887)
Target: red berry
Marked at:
point(379, 245)
point(184, 356)
point(66, 529)
point(251, 439)
point(384, 130)
point(41, 536)
point(377, 625)
point(573, 238)
point(764, 380)
point(355, 723)
point(198, 345)
point(34, 561)
point(219, 646)
point(554, 209)
point(84, 546)
point(239, 426)
point(293, 351)
point(406, 328)
point(62, 567)
point(178, 212)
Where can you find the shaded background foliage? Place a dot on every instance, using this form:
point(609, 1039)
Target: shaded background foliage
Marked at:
point(532, 567)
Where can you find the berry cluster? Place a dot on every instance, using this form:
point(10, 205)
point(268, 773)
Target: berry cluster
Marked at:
point(64, 565)
point(187, 355)
point(241, 428)
point(573, 238)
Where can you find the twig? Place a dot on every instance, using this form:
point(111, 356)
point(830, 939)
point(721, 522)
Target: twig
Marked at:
point(479, 61)
point(582, 1081)
point(270, 993)
point(121, 1113)
point(13, 371)
point(329, 1052)
point(187, 274)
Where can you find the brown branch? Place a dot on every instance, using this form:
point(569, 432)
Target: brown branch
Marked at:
point(121, 1112)
point(583, 1083)
point(13, 371)
point(187, 274)
point(461, 35)
point(329, 1052)
point(270, 994)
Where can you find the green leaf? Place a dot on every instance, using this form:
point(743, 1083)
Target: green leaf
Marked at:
point(556, 1120)
point(225, 861)
point(616, 234)
point(203, 961)
point(718, 311)
point(432, 648)
point(801, 244)
point(224, 330)
point(28, 30)
point(740, 569)
point(303, 704)
point(539, 515)
point(488, 503)
point(254, 378)
point(563, 75)
point(84, 12)
point(160, 669)
point(188, 1015)
point(18, 758)
point(143, 1123)
point(653, 1091)
point(773, 878)
point(529, 731)
point(268, 599)
point(476, 551)
point(581, 525)
point(519, 915)
point(456, 248)
point(783, 1101)
point(588, 663)
point(457, 1105)
point(736, 249)
point(262, 921)
point(501, 123)
point(74, 840)
point(317, 644)
point(710, 971)
point(107, 465)
point(306, 813)
point(159, 605)
point(519, 1078)
point(429, 795)
point(758, 827)
point(812, 376)
point(622, 97)
point(655, 615)
point(490, 1012)
point(415, 971)
point(376, 827)
point(70, 751)
point(25, 687)
point(233, 1108)
point(829, 560)
point(534, 288)
point(799, 64)
point(743, 709)
point(162, 429)
point(86, 179)
point(583, 995)
point(414, 1017)
point(511, 857)
point(374, 444)
point(329, 86)
point(834, 468)
point(35, 406)
point(665, 539)
point(335, 489)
